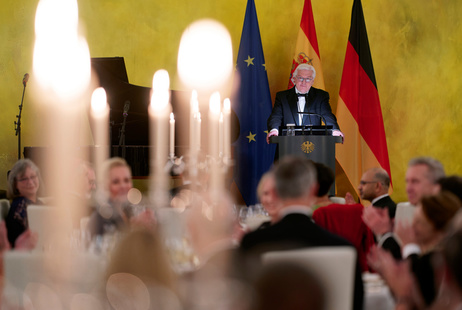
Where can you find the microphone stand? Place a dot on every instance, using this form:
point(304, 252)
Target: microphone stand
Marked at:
point(122, 134)
point(18, 122)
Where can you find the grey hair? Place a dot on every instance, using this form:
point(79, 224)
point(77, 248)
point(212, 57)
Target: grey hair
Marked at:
point(435, 167)
point(304, 67)
point(266, 176)
point(294, 176)
point(19, 169)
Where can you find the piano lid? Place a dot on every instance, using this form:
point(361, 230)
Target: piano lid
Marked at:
point(113, 77)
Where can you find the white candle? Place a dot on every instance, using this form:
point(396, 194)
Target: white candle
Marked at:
point(220, 135)
point(227, 128)
point(198, 131)
point(158, 121)
point(100, 124)
point(214, 115)
point(172, 136)
point(194, 109)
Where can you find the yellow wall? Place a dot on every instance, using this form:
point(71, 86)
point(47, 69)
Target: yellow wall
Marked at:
point(415, 47)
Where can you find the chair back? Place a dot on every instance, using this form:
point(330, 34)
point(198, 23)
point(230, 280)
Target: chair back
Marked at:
point(4, 208)
point(43, 220)
point(333, 266)
point(404, 213)
point(336, 199)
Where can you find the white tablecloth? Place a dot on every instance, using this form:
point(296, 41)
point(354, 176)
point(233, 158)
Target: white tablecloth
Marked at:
point(59, 277)
point(377, 295)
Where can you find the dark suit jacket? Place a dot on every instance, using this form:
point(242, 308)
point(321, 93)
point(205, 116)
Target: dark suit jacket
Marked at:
point(386, 202)
point(285, 109)
point(296, 231)
point(391, 245)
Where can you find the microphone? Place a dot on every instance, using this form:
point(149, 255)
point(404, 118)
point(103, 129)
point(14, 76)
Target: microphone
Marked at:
point(25, 79)
point(309, 113)
point(319, 115)
point(126, 107)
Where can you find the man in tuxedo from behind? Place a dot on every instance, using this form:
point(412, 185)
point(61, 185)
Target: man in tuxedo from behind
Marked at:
point(301, 98)
point(295, 190)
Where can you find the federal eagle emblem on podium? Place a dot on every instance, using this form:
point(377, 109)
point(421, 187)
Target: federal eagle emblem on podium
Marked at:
point(307, 147)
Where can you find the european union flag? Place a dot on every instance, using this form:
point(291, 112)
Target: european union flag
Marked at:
point(253, 156)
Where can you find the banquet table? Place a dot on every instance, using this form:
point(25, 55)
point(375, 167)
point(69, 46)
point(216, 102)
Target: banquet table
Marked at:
point(377, 295)
point(49, 277)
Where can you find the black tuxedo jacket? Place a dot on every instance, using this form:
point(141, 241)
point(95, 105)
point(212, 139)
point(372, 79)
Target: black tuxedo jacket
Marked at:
point(296, 231)
point(386, 202)
point(286, 107)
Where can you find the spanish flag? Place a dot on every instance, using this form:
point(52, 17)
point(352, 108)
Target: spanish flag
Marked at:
point(358, 108)
point(307, 50)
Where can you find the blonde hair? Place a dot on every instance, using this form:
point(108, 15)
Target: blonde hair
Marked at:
point(108, 165)
point(141, 253)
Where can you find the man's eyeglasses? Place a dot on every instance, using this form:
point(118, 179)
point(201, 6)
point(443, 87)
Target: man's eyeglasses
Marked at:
point(366, 182)
point(308, 80)
point(32, 178)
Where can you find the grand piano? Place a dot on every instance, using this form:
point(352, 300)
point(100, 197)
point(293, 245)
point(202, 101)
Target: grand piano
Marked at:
point(112, 76)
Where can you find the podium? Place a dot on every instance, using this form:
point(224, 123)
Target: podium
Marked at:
point(317, 147)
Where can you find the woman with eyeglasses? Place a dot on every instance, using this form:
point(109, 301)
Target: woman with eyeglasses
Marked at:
point(23, 185)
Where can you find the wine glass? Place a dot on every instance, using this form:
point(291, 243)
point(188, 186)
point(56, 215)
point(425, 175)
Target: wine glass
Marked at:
point(243, 213)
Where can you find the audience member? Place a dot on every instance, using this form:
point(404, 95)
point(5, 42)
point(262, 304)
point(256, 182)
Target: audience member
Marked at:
point(374, 186)
point(422, 176)
point(83, 203)
point(139, 272)
point(325, 177)
point(23, 185)
point(431, 219)
point(295, 191)
point(452, 184)
point(114, 210)
point(450, 295)
point(266, 195)
point(341, 219)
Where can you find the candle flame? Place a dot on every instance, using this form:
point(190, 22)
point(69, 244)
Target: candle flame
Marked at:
point(160, 90)
point(99, 100)
point(194, 102)
point(61, 60)
point(227, 105)
point(214, 103)
point(205, 56)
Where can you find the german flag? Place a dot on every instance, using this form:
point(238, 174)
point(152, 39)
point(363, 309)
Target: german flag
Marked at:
point(358, 110)
point(307, 50)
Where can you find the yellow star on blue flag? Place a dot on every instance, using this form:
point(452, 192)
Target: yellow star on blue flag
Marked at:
point(251, 137)
point(249, 61)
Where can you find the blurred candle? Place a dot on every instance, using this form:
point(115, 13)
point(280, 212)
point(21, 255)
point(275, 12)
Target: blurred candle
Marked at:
point(214, 115)
point(172, 136)
point(205, 56)
point(100, 124)
point(158, 123)
point(198, 131)
point(220, 135)
point(194, 109)
point(227, 128)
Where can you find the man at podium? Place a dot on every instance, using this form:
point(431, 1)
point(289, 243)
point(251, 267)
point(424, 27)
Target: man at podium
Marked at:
point(313, 104)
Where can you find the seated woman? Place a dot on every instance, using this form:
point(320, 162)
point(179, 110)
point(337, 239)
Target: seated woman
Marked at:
point(414, 281)
point(114, 210)
point(23, 185)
